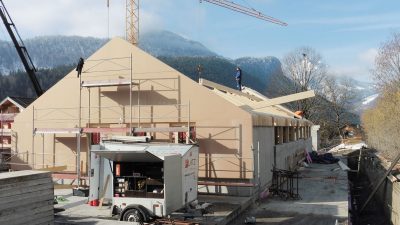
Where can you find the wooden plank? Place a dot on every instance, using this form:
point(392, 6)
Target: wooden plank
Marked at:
point(229, 184)
point(57, 130)
point(68, 176)
point(25, 203)
point(30, 214)
point(43, 220)
point(19, 176)
point(256, 93)
point(25, 189)
point(220, 87)
point(343, 166)
point(160, 129)
point(7, 187)
point(53, 169)
point(107, 83)
point(105, 129)
point(283, 99)
point(64, 186)
point(103, 192)
point(27, 196)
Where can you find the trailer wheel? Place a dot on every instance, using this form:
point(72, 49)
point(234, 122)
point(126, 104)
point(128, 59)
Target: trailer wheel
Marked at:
point(133, 215)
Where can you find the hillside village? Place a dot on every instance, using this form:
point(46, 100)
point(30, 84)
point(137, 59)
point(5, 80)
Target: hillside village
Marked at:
point(159, 129)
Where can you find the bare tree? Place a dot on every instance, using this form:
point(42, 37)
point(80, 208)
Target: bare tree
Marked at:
point(387, 64)
point(340, 95)
point(304, 66)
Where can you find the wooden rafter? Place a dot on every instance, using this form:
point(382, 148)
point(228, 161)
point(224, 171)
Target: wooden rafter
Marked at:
point(223, 88)
point(284, 99)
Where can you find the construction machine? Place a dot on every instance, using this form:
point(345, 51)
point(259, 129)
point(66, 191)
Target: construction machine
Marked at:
point(20, 47)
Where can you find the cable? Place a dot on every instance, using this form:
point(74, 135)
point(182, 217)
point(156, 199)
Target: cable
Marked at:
point(248, 4)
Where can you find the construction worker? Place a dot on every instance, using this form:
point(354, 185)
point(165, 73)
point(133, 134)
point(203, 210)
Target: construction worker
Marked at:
point(299, 113)
point(238, 78)
point(79, 67)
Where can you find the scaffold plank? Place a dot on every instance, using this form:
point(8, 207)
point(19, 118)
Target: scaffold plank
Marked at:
point(57, 130)
point(107, 83)
point(105, 129)
point(160, 129)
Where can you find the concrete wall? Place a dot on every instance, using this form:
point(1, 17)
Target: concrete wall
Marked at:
point(288, 154)
point(316, 137)
point(388, 193)
point(26, 197)
point(263, 145)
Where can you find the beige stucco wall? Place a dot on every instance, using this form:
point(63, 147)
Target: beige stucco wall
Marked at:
point(224, 130)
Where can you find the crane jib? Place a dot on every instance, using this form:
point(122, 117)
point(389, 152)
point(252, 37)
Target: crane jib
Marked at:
point(20, 47)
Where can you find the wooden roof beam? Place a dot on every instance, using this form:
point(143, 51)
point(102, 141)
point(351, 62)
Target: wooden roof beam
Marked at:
point(284, 99)
point(220, 87)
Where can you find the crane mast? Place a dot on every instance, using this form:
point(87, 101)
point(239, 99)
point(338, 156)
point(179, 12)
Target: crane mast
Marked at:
point(132, 16)
point(20, 47)
point(132, 21)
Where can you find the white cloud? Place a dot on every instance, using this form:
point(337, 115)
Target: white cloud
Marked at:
point(354, 71)
point(83, 18)
point(364, 19)
point(368, 56)
point(383, 26)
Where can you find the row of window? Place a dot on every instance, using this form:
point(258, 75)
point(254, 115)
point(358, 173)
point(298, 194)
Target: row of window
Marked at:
point(289, 134)
point(5, 125)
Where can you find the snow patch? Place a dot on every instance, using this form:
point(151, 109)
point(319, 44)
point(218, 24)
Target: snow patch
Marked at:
point(359, 88)
point(348, 147)
point(369, 99)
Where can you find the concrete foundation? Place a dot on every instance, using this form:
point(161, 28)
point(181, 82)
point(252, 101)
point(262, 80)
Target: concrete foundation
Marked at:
point(388, 195)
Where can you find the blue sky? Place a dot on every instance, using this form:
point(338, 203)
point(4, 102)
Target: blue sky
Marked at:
point(346, 33)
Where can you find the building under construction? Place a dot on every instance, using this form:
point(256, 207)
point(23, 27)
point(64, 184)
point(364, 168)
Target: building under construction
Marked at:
point(123, 90)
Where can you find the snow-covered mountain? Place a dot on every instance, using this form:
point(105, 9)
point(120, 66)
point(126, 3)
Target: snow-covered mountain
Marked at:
point(268, 70)
point(365, 95)
point(370, 99)
point(52, 51)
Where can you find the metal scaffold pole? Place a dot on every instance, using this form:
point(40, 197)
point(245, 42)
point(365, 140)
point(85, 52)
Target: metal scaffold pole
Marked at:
point(78, 158)
point(78, 136)
point(188, 134)
point(33, 137)
point(130, 95)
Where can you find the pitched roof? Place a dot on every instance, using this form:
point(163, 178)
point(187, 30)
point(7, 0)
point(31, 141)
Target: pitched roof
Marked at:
point(247, 100)
point(20, 102)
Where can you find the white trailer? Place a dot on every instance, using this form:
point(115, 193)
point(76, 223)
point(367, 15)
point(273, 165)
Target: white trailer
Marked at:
point(149, 180)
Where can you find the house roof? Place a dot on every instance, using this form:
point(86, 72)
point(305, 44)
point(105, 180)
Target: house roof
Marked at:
point(250, 101)
point(20, 102)
point(148, 71)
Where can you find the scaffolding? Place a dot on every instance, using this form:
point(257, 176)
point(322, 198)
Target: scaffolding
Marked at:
point(133, 125)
